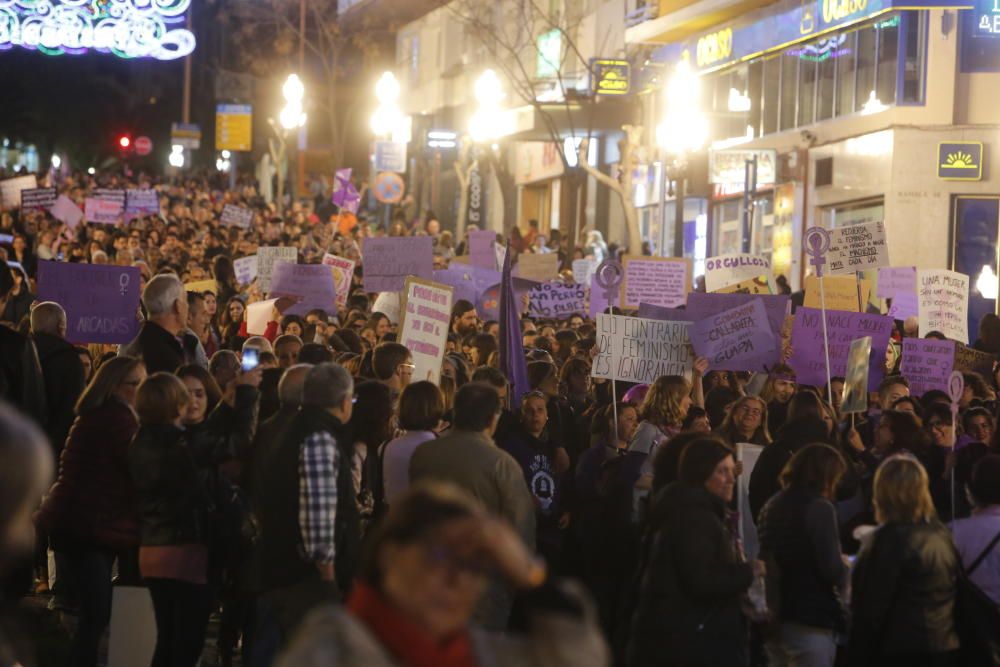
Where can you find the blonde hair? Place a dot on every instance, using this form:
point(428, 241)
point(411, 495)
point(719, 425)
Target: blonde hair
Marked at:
point(902, 492)
point(728, 428)
point(662, 404)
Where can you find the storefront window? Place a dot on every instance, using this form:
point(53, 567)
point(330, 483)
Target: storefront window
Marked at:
point(836, 75)
point(974, 232)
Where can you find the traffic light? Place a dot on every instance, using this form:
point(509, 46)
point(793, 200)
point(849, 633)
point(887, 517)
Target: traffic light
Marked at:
point(124, 141)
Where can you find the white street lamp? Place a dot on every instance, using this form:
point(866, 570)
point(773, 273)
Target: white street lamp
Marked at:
point(176, 157)
point(387, 118)
point(292, 116)
point(56, 161)
point(487, 123)
point(684, 129)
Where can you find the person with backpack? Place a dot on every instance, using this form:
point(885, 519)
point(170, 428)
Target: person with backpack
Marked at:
point(978, 541)
point(905, 580)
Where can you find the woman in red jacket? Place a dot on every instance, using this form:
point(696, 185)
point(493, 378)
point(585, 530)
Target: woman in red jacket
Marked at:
point(89, 512)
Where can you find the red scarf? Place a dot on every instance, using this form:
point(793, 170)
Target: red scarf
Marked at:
point(402, 638)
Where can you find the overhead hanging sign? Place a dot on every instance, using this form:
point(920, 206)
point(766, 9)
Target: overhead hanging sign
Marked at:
point(390, 156)
point(233, 127)
point(728, 167)
point(960, 161)
point(610, 77)
point(187, 135)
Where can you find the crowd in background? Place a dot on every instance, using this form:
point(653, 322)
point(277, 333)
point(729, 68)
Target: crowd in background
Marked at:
point(328, 507)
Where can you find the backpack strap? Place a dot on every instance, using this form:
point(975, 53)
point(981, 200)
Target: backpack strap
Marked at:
point(981, 557)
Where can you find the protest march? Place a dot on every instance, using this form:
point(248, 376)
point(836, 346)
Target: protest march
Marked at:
point(235, 432)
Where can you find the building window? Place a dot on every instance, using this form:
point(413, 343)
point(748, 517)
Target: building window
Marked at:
point(836, 75)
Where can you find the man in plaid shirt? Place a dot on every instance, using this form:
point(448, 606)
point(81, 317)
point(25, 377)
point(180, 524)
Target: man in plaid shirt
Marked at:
point(328, 516)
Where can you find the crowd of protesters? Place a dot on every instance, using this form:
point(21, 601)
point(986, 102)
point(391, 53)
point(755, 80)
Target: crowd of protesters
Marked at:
point(330, 508)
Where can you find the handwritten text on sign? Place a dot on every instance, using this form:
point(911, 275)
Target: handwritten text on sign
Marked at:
point(857, 248)
point(236, 215)
point(633, 349)
point(927, 364)
point(655, 280)
point(343, 273)
point(101, 302)
point(267, 257)
point(556, 301)
point(728, 270)
point(103, 211)
point(388, 261)
point(944, 303)
point(735, 339)
point(424, 329)
point(842, 327)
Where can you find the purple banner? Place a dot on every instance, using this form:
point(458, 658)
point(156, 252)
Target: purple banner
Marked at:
point(927, 364)
point(388, 261)
point(701, 306)
point(598, 298)
point(101, 302)
point(481, 253)
point(488, 303)
point(468, 281)
point(651, 311)
point(735, 339)
point(842, 328)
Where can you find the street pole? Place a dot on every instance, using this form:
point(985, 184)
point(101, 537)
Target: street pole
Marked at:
point(749, 190)
point(679, 212)
point(186, 98)
point(663, 196)
point(300, 171)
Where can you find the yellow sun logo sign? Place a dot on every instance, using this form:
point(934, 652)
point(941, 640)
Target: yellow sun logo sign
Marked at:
point(959, 160)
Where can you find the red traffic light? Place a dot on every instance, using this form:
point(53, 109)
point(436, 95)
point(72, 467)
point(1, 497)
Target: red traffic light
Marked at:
point(124, 142)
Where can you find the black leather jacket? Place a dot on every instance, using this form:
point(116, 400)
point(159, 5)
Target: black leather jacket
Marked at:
point(173, 470)
point(903, 593)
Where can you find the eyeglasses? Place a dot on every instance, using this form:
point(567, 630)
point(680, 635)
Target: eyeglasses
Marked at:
point(751, 412)
point(938, 424)
point(407, 368)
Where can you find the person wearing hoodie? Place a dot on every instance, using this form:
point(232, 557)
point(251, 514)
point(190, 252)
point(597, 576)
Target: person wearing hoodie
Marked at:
point(544, 463)
point(692, 580)
point(61, 368)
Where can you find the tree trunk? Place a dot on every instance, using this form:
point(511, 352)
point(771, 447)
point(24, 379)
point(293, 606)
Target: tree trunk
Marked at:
point(622, 188)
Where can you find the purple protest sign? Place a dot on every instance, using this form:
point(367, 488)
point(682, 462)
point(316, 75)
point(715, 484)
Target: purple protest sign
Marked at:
point(388, 261)
point(481, 253)
point(701, 306)
point(598, 298)
point(311, 284)
point(735, 339)
point(101, 301)
point(927, 364)
point(65, 210)
point(103, 211)
point(842, 327)
point(556, 301)
point(652, 312)
point(893, 280)
point(904, 305)
point(468, 281)
point(488, 303)
point(141, 202)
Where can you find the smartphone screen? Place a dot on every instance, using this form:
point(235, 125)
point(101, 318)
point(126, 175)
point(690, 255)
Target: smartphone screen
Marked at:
point(251, 357)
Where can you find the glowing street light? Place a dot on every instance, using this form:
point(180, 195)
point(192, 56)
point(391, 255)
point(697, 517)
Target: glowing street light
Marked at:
point(684, 129)
point(91, 171)
point(487, 124)
point(176, 157)
point(56, 161)
point(387, 119)
point(292, 116)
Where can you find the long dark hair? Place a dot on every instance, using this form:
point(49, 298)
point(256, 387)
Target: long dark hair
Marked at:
point(371, 421)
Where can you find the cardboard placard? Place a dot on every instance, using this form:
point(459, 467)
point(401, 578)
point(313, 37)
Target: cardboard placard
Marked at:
point(660, 281)
point(343, 274)
point(927, 364)
point(236, 216)
point(245, 269)
point(842, 327)
point(540, 268)
point(854, 248)
point(267, 257)
point(633, 349)
point(388, 261)
point(735, 339)
point(557, 301)
point(944, 303)
point(101, 301)
point(728, 271)
point(426, 313)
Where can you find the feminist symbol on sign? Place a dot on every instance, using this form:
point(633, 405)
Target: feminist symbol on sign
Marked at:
point(956, 387)
point(608, 277)
point(817, 243)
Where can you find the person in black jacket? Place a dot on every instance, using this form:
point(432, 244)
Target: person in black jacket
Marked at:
point(172, 469)
point(692, 580)
point(21, 380)
point(800, 542)
point(905, 578)
point(61, 368)
point(163, 343)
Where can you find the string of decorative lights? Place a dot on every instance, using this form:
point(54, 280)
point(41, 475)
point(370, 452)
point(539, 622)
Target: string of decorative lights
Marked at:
point(125, 28)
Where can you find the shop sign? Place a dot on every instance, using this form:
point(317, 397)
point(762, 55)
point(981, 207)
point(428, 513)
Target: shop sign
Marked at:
point(233, 127)
point(728, 167)
point(960, 161)
point(714, 47)
point(786, 26)
point(537, 161)
point(611, 77)
point(987, 18)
